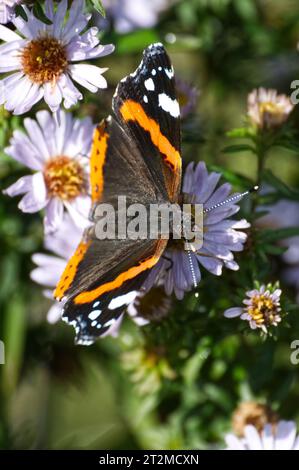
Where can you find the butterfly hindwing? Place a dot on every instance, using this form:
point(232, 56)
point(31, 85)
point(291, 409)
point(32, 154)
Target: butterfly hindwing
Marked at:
point(100, 299)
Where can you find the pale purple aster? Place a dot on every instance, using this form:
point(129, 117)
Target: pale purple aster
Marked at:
point(58, 155)
point(283, 214)
point(45, 59)
point(187, 96)
point(7, 10)
point(291, 276)
point(282, 436)
point(261, 308)
point(129, 15)
point(267, 109)
point(150, 306)
point(221, 235)
point(50, 267)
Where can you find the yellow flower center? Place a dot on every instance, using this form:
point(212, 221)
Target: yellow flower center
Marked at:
point(64, 178)
point(44, 60)
point(262, 310)
point(256, 414)
point(154, 305)
point(269, 107)
point(183, 99)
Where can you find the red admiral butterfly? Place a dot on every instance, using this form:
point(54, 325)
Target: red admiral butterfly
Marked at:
point(136, 153)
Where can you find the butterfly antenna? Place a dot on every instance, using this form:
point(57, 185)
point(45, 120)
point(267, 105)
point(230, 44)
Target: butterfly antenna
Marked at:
point(237, 197)
point(189, 251)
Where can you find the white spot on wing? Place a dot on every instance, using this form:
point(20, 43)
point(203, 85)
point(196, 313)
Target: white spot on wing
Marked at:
point(154, 72)
point(160, 68)
point(170, 106)
point(122, 300)
point(145, 99)
point(110, 322)
point(94, 314)
point(169, 73)
point(155, 44)
point(149, 84)
point(84, 342)
point(96, 304)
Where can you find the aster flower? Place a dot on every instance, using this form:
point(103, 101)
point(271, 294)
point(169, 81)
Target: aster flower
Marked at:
point(261, 308)
point(187, 97)
point(279, 437)
point(251, 412)
point(44, 59)
point(49, 267)
point(267, 109)
point(148, 367)
point(291, 276)
point(57, 154)
point(221, 236)
point(6, 10)
point(283, 214)
point(129, 15)
point(151, 306)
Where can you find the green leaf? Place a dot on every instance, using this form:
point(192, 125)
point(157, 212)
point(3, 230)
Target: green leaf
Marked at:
point(14, 334)
point(289, 142)
point(97, 4)
point(238, 148)
point(274, 249)
point(233, 178)
point(135, 41)
point(240, 132)
point(19, 11)
point(40, 14)
point(282, 189)
point(270, 235)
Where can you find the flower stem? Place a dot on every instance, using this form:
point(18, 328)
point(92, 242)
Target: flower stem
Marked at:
point(261, 153)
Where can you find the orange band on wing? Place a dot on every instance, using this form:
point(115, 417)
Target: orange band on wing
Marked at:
point(97, 160)
point(70, 270)
point(133, 111)
point(89, 296)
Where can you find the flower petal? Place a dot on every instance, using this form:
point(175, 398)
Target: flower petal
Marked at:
point(23, 185)
point(55, 312)
point(89, 76)
point(285, 435)
point(252, 437)
point(233, 312)
point(53, 96)
point(8, 35)
point(36, 198)
point(233, 443)
point(49, 269)
point(267, 437)
point(54, 215)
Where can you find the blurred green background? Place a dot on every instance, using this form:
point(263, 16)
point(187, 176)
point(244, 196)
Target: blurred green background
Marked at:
point(175, 384)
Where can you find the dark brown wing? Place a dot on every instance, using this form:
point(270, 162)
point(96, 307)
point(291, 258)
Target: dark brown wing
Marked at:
point(136, 155)
point(146, 106)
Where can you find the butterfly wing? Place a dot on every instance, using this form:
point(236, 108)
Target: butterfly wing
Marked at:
point(135, 155)
point(146, 106)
